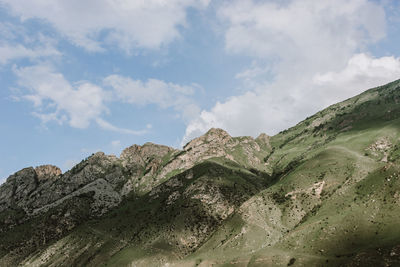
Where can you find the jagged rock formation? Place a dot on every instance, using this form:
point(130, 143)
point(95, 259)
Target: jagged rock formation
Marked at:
point(138, 170)
point(46, 172)
point(17, 188)
point(288, 199)
point(218, 143)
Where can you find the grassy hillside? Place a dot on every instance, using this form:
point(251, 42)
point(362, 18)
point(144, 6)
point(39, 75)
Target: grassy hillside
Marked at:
point(325, 192)
point(336, 204)
point(170, 222)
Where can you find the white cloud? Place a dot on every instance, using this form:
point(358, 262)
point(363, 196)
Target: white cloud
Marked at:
point(10, 52)
point(108, 126)
point(128, 24)
point(16, 44)
point(54, 98)
point(247, 114)
point(269, 110)
point(153, 91)
point(362, 71)
point(305, 58)
point(282, 29)
point(82, 102)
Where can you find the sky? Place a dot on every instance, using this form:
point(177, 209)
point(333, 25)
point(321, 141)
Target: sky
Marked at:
point(77, 77)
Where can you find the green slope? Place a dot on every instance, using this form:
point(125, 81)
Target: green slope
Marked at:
point(170, 222)
point(325, 192)
point(338, 204)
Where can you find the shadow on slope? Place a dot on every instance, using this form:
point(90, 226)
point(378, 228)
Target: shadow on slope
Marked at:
point(168, 223)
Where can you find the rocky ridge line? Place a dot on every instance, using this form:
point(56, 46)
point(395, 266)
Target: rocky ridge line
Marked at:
point(138, 169)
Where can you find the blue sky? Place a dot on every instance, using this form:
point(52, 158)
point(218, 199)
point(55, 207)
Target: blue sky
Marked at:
point(82, 76)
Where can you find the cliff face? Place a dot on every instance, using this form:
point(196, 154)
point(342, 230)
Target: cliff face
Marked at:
point(286, 199)
point(136, 171)
point(46, 172)
point(101, 183)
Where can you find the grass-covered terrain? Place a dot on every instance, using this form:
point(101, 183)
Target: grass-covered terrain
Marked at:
point(325, 192)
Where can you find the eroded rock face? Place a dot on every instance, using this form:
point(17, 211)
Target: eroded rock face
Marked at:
point(57, 203)
point(212, 137)
point(142, 154)
point(217, 143)
point(100, 182)
point(380, 147)
point(139, 169)
point(24, 183)
point(37, 190)
point(144, 164)
point(45, 172)
point(17, 188)
point(144, 158)
point(264, 139)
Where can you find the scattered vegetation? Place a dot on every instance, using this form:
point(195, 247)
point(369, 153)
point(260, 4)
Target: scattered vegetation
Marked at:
point(317, 195)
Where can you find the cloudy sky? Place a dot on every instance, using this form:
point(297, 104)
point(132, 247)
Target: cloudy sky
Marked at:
point(82, 76)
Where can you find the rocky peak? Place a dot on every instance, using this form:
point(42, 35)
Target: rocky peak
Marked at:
point(150, 150)
point(101, 159)
point(23, 177)
point(144, 159)
point(264, 139)
point(141, 154)
point(97, 156)
point(130, 152)
point(17, 187)
point(45, 172)
point(144, 162)
point(214, 136)
point(216, 132)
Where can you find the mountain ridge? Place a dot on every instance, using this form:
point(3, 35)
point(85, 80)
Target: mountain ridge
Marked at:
point(222, 200)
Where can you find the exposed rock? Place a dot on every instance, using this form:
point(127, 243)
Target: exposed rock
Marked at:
point(36, 190)
point(211, 144)
point(132, 153)
point(381, 148)
point(17, 188)
point(101, 182)
point(45, 172)
point(104, 198)
point(314, 190)
point(382, 144)
point(264, 139)
point(217, 143)
point(24, 181)
point(174, 196)
point(320, 121)
point(144, 159)
point(144, 154)
point(139, 169)
point(213, 136)
point(215, 192)
point(144, 164)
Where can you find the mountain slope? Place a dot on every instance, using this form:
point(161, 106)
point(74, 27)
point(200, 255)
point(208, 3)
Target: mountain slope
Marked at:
point(338, 204)
point(324, 192)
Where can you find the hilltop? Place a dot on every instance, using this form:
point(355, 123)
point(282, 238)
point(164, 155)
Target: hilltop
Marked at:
point(325, 192)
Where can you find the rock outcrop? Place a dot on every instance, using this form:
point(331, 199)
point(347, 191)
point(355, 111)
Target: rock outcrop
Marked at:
point(18, 187)
point(101, 182)
point(110, 179)
point(45, 172)
point(264, 139)
point(282, 200)
point(217, 143)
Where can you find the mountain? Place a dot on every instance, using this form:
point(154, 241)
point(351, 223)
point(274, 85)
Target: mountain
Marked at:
point(325, 192)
